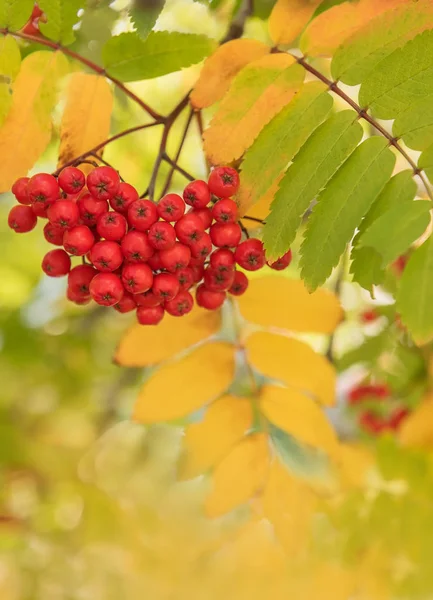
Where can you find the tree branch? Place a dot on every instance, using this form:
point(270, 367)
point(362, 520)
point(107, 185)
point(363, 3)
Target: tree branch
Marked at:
point(237, 26)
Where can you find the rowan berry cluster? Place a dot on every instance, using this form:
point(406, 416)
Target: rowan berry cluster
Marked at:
point(380, 417)
point(137, 254)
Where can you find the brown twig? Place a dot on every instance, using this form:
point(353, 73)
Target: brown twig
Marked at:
point(255, 219)
point(177, 168)
point(174, 162)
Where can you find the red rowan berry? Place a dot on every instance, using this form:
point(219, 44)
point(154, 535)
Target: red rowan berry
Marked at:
point(180, 305)
point(225, 211)
point(197, 271)
point(126, 304)
point(218, 281)
point(189, 229)
point(370, 390)
point(76, 297)
point(397, 417)
point(43, 188)
point(197, 194)
point(205, 215)
point(372, 423)
point(112, 226)
point(175, 258)
point(223, 182)
point(150, 316)
point(165, 286)
point(281, 263)
point(225, 234)
point(222, 259)
point(56, 263)
point(106, 256)
point(368, 316)
point(71, 180)
point(203, 247)
point(19, 189)
point(54, 234)
point(162, 235)
point(91, 209)
point(171, 207)
point(154, 262)
point(142, 214)
point(239, 285)
point(106, 289)
point(79, 279)
point(136, 247)
point(63, 213)
point(78, 241)
point(40, 209)
point(22, 218)
point(103, 182)
point(137, 278)
point(126, 194)
point(185, 277)
point(250, 255)
point(148, 299)
point(208, 299)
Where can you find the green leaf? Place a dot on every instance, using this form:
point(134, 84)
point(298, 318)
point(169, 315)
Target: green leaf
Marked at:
point(425, 162)
point(358, 55)
point(129, 58)
point(341, 207)
point(415, 296)
point(366, 353)
point(61, 16)
point(400, 79)
point(366, 268)
point(415, 125)
point(10, 62)
point(313, 166)
point(281, 139)
point(144, 14)
point(15, 13)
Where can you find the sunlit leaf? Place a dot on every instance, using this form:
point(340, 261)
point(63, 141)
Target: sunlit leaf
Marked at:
point(60, 15)
point(15, 13)
point(415, 125)
point(417, 430)
point(289, 17)
point(10, 62)
point(354, 463)
point(144, 15)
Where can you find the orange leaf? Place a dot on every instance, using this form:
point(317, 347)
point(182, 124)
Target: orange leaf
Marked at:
point(221, 67)
point(260, 209)
point(289, 17)
point(257, 93)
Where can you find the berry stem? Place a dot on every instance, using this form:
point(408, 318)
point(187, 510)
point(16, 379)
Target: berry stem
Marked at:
point(255, 219)
point(106, 163)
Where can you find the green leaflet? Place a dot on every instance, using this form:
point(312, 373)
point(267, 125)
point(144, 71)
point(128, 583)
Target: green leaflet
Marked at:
point(415, 296)
point(367, 352)
point(341, 207)
point(366, 267)
point(425, 162)
point(312, 168)
point(144, 15)
point(415, 125)
point(400, 79)
point(129, 58)
point(61, 16)
point(357, 56)
point(281, 139)
point(10, 62)
point(15, 13)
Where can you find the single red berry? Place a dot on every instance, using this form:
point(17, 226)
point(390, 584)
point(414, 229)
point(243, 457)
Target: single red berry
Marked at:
point(106, 289)
point(218, 281)
point(78, 241)
point(197, 271)
point(76, 297)
point(142, 214)
point(171, 207)
point(150, 316)
point(79, 279)
point(137, 278)
point(196, 261)
point(19, 189)
point(197, 194)
point(205, 215)
point(175, 258)
point(162, 235)
point(43, 188)
point(112, 226)
point(222, 259)
point(372, 423)
point(239, 285)
point(223, 182)
point(281, 263)
point(54, 234)
point(185, 277)
point(126, 194)
point(126, 304)
point(203, 247)
point(91, 209)
point(165, 286)
point(136, 247)
point(208, 299)
point(225, 211)
point(106, 256)
point(63, 213)
point(368, 316)
point(22, 218)
point(40, 210)
point(397, 417)
point(250, 255)
point(180, 305)
point(225, 234)
point(154, 262)
point(56, 263)
point(148, 299)
point(103, 182)
point(71, 180)
point(189, 229)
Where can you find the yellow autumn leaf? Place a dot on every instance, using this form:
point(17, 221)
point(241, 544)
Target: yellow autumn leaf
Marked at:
point(299, 416)
point(285, 303)
point(294, 363)
point(221, 67)
point(354, 462)
point(205, 443)
point(416, 430)
point(181, 387)
point(240, 475)
point(289, 17)
point(334, 26)
point(87, 115)
point(10, 63)
point(259, 210)
point(26, 130)
point(145, 346)
point(258, 92)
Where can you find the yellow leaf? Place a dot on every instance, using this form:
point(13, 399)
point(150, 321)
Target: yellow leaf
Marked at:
point(294, 363)
point(240, 475)
point(299, 416)
point(285, 303)
point(205, 443)
point(181, 387)
point(87, 115)
point(221, 67)
point(289, 17)
point(337, 24)
point(10, 62)
point(259, 210)
point(145, 346)
point(27, 128)
point(257, 94)
point(417, 429)
point(354, 461)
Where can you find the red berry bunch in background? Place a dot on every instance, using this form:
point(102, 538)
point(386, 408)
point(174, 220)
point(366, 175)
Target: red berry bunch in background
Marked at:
point(372, 420)
point(137, 254)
